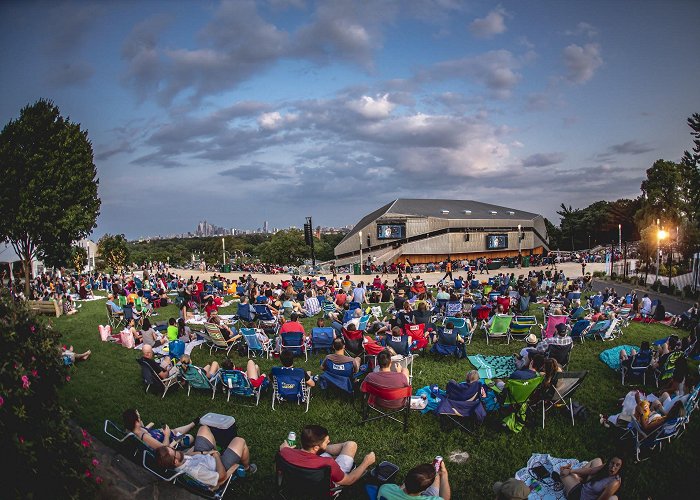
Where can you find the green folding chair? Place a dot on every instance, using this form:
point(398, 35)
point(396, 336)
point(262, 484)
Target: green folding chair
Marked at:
point(499, 328)
point(514, 400)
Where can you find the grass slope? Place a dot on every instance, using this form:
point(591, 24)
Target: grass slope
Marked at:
point(109, 382)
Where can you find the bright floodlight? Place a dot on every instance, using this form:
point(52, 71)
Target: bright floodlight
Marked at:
point(662, 234)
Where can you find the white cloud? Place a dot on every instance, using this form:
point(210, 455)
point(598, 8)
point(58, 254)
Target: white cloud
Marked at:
point(492, 24)
point(372, 108)
point(270, 121)
point(583, 29)
point(582, 62)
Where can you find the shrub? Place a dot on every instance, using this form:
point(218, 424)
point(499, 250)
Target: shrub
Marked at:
point(656, 286)
point(598, 274)
point(46, 459)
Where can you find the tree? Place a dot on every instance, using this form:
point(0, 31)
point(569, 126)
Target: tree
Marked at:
point(114, 251)
point(285, 247)
point(691, 164)
point(48, 197)
point(79, 258)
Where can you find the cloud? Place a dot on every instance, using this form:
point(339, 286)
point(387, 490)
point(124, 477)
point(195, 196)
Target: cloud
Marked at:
point(492, 24)
point(372, 108)
point(496, 69)
point(630, 148)
point(582, 62)
point(69, 27)
point(543, 159)
point(68, 73)
point(583, 29)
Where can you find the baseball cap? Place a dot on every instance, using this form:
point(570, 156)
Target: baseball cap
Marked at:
point(561, 329)
point(513, 489)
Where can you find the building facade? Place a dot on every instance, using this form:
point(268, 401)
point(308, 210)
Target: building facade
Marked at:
point(432, 230)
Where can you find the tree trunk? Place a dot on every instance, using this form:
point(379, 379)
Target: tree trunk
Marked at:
point(27, 263)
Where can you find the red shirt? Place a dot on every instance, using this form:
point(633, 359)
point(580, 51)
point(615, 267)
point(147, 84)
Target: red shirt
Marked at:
point(292, 326)
point(388, 380)
point(302, 458)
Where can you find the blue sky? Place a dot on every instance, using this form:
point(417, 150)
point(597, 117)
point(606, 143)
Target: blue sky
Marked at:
point(239, 112)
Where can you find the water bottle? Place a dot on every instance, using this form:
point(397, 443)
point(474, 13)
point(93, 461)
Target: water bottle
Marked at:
point(240, 471)
point(292, 439)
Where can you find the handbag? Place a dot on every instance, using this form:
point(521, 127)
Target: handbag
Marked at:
point(105, 332)
point(127, 339)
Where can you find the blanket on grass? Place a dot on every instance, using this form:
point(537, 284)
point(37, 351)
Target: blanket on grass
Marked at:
point(611, 357)
point(545, 489)
point(493, 366)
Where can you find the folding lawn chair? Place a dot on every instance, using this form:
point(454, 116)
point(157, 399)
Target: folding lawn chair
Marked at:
point(499, 328)
point(353, 342)
point(295, 482)
point(639, 365)
point(520, 326)
point(417, 333)
point(265, 317)
point(580, 329)
point(115, 320)
point(459, 405)
point(373, 393)
point(562, 388)
point(254, 345)
point(236, 382)
point(289, 384)
point(294, 341)
point(523, 304)
point(322, 338)
point(195, 377)
point(462, 328)
point(127, 442)
point(514, 400)
point(550, 327)
point(665, 371)
point(184, 480)
point(362, 324)
point(215, 339)
point(611, 331)
point(246, 313)
point(562, 353)
point(650, 440)
point(597, 329)
point(151, 378)
point(339, 375)
point(447, 344)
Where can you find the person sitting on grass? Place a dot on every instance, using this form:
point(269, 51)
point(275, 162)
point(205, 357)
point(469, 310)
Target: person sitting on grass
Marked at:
point(154, 438)
point(317, 451)
point(204, 462)
point(172, 330)
point(68, 353)
point(150, 336)
point(595, 480)
point(421, 482)
point(209, 370)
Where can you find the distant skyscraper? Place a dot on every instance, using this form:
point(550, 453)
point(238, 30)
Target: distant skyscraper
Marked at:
point(265, 228)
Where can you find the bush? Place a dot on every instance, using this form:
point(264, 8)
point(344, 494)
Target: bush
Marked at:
point(598, 274)
point(46, 459)
point(656, 286)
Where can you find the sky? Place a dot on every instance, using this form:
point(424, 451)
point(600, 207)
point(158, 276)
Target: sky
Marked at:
point(240, 112)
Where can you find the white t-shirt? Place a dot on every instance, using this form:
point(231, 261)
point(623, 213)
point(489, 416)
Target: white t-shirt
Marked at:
point(202, 468)
point(646, 305)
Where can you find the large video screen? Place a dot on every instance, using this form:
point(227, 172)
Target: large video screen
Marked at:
point(391, 231)
point(496, 241)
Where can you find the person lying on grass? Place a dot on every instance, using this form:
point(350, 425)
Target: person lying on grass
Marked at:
point(154, 438)
point(421, 482)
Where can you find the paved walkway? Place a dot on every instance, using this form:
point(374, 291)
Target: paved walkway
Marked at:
point(674, 305)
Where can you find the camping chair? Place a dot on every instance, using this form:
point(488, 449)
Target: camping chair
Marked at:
point(353, 342)
point(606, 331)
point(294, 482)
point(452, 308)
point(459, 405)
point(246, 313)
point(562, 353)
point(520, 326)
point(638, 367)
point(514, 400)
point(580, 329)
point(114, 319)
point(289, 384)
point(372, 392)
point(399, 343)
point(595, 302)
point(650, 440)
point(417, 333)
point(362, 324)
point(184, 480)
point(265, 318)
point(129, 315)
point(447, 344)
point(215, 339)
point(128, 444)
point(505, 302)
point(254, 345)
point(577, 314)
point(195, 377)
point(151, 378)
point(625, 315)
point(121, 300)
point(294, 341)
point(561, 389)
point(499, 327)
point(338, 375)
point(550, 327)
point(482, 312)
point(461, 327)
point(523, 304)
point(236, 382)
point(322, 338)
point(598, 327)
point(665, 372)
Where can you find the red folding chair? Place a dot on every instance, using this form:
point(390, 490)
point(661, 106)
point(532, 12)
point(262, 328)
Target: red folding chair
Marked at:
point(417, 333)
point(353, 341)
point(372, 392)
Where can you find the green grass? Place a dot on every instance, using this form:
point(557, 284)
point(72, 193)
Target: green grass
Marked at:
point(109, 382)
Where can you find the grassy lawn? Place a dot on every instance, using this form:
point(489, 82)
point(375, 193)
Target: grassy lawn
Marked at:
point(109, 382)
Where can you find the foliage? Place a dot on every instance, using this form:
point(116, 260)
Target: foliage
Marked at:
point(114, 251)
point(78, 258)
point(596, 223)
point(285, 247)
point(45, 458)
point(52, 198)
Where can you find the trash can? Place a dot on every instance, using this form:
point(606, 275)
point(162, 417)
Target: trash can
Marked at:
point(356, 269)
point(226, 268)
point(526, 261)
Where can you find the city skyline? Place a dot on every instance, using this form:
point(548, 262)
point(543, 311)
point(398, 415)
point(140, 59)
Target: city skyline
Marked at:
point(240, 111)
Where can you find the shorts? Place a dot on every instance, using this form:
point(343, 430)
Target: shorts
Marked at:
point(575, 492)
point(345, 462)
point(229, 457)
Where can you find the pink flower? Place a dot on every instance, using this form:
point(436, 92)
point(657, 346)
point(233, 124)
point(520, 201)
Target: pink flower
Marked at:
point(98, 480)
point(88, 473)
point(85, 443)
point(67, 378)
point(25, 382)
point(2, 401)
point(34, 373)
point(85, 433)
point(95, 462)
point(21, 439)
point(32, 329)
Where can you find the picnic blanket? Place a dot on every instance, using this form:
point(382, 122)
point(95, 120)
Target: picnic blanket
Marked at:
point(200, 320)
point(77, 298)
point(164, 351)
point(611, 357)
point(493, 366)
point(546, 489)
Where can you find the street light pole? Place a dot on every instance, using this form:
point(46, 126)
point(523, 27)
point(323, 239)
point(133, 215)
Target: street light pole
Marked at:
point(360, 252)
point(660, 235)
point(223, 249)
point(619, 235)
point(520, 238)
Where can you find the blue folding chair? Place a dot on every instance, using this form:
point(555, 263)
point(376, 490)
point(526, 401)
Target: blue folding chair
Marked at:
point(246, 313)
point(289, 384)
point(338, 375)
point(322, 338)
point(579, 329)
point(254, 346)
point(461, 327)
point(294, 341)
point(235, 382)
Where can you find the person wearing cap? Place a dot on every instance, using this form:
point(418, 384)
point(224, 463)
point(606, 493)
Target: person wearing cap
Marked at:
point(421, 482)
point(511, 489)
point(561, 338)
point(523, 358)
